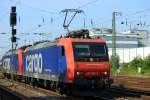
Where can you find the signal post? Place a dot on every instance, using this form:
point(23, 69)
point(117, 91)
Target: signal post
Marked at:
point(13, 22)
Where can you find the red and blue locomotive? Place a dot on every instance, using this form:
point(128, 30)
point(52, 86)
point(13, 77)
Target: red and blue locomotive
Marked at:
point(75, 60)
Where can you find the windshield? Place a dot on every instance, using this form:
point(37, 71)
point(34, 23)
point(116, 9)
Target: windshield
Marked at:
point(84, 51)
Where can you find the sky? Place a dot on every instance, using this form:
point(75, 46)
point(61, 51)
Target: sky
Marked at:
point(45, 16)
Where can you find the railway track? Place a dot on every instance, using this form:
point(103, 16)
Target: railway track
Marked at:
point(28, 92)
point(114, 93)
point(133, 93)
point(141, 83)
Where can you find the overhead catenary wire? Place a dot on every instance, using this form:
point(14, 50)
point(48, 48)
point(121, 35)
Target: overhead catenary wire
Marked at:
point(89, 3)
point(32, 7)
point(125, 16)
point(57, 18)
point(135, 13)
point(85, 5)
point(7, 12)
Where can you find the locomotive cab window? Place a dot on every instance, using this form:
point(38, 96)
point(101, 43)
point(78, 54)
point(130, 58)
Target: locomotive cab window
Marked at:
point(84, 51)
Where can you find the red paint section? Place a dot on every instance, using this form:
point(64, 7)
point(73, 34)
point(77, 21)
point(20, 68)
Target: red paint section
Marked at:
point(90, 67)
point(20, 52)
point(67, 43)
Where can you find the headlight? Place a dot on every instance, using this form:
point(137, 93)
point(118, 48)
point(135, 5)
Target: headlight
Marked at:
point(105, 73)
point(80, 73)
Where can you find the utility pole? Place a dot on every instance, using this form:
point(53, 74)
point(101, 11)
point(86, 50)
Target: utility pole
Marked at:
point(114, 37)
point(13, 21)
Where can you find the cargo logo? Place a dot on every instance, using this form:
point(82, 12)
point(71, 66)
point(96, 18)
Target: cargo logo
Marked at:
point(6, 63)
point(34, 63)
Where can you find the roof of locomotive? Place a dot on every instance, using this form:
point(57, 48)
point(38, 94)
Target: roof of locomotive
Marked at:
point(43, 44)
point(74, 36)
point(8, 53)
point(83, 39)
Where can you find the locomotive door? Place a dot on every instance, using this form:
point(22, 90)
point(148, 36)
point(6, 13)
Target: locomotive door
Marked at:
point(62, 63)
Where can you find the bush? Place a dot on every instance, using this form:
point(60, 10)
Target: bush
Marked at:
point(132, 67)
point(146, 64)
point(136, 62)
point(122, 84)
point(114, 63)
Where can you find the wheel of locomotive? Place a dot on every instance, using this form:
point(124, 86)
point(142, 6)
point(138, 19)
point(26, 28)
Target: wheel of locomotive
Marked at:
point(49, 84)
point(15, 77)
point(59, 88)
point(67, 89)
point(28, 80)
point(5, 76)
point(108, 86)
point(25, 79)
point(53, 85)
point(19, 78)
point(31, 81)
point(34, 82)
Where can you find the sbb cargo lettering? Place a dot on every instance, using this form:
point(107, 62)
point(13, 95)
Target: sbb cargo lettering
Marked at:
point(34, 63)
point(6, 63)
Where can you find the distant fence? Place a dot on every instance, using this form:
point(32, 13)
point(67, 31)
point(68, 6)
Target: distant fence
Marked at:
point(128, 54)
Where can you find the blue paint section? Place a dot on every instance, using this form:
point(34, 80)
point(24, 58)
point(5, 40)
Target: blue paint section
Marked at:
point(49, 61)
point(8, 63)
point(15, 62)
point(62, 67)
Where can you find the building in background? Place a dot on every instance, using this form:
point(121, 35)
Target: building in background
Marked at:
point(129, 39)
point(129, 44)
point(128, 54)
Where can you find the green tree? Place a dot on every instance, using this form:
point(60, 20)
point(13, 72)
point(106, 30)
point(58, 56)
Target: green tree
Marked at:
point(136, 62)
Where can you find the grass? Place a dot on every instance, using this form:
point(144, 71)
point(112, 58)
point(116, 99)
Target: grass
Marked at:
point(129, 70)
point(146, 72)
point(122, 84)
point(133, 71)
